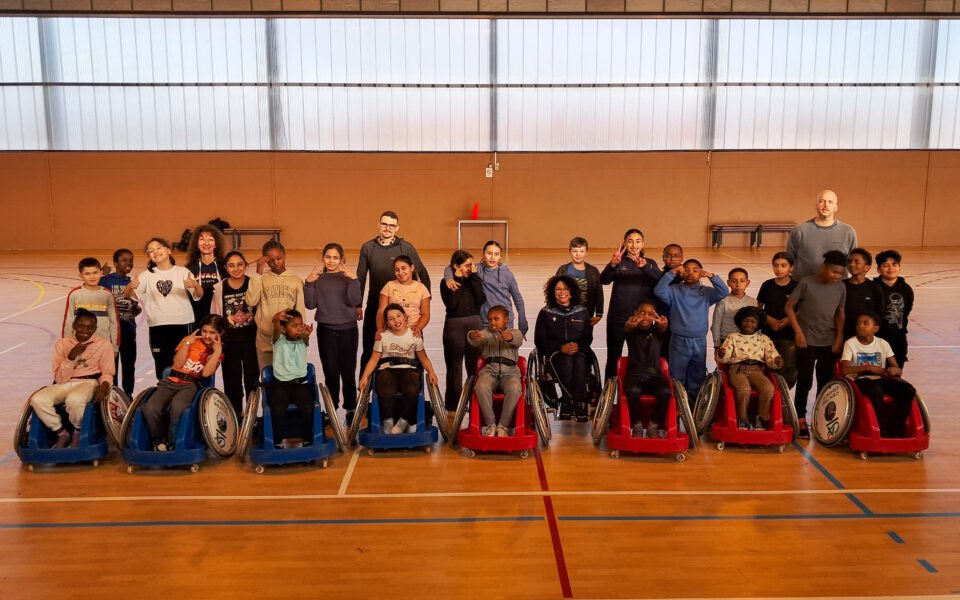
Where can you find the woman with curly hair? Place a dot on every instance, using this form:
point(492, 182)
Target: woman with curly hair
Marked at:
point(205, 261)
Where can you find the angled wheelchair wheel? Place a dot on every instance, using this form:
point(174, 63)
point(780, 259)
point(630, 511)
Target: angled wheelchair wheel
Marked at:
point(833, 412)
point(112, 411)
point(363, 403)
point(594, 380)
point(539, 410)
point(533, 366)
point(601, 417)
point(924, 413)
point(787, 410)
point(462, 405)
point(245, 437)
point(707, 400)
point(218, 422)
point(684, 414)
point(328, 407)
point(439, 410)
point(22, 432)
point(126, 429)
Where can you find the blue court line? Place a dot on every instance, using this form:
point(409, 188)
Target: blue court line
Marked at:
point(267, 522)
point(7, 457)
point(821, 468)
point(859, 504)
point(811, 517)
point(935, 342)
point(930, 568)
point(893, 536)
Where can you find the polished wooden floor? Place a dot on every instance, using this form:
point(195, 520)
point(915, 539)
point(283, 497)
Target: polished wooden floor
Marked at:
point(570, 522)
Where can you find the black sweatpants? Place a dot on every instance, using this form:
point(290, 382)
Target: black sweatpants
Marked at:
point(891, 416)
point(338, 358)
point(163, 344)
point(281, 395)
point(457, 353)
point(819, 358)
point(616, 337)
point(639, 384)
point(572, 371)
point(125, 362)
point(241, 372)
point(406, 383)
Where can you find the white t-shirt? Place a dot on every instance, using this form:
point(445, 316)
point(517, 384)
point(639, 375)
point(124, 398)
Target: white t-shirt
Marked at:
point(406, 345)
point(874, 354)
point(167, 301)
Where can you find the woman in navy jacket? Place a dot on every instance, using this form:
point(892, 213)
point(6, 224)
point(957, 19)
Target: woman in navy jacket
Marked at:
point(562, 337)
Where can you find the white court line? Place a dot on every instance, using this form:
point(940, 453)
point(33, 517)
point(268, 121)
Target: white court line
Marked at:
point(534, 493)
point(346, 476)
point(924, 597)
point(31, 308)
point(935, 346)
point(12, 348)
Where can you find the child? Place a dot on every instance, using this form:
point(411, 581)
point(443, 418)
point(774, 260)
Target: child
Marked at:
point(748, 352)
point(409, 293)
point(562, 338)
point(773, 300)
point(289, 385)
point(863, 295)
point(498, 343)
point(633, 280)
point(818, 328)
point(241, 372)
point(690, 304)
point(97, 299)
point(672, 258)
point(463, 316)
point(645, 334)
point(205, 260)
point(896, 304)
point(334, 290)
point(270, 293)
point(863, 360)
point(198, 356)
point(499, 285)
point(127, 311)
point(587, 277)
point(398, 357)
point(724, 312)
point(167, 290)
point(83, 369)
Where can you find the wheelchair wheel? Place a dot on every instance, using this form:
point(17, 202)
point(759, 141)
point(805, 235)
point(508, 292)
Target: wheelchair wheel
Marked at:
point(684, 415)
point(594, 380)
point(788, 411)
point(833, 412)
point(218, 422)
point(707, 400)
point(328, 407)
point(126, 429)
point(245, 438)
point(112, 411)
point(462, 403)
point(601, 417)
point(23, 427)
point(539, 411)
point(924, 414)
point(439, 410)
point(362, 404)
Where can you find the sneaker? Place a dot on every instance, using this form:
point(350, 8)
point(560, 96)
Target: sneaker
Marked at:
point(75, 439)
point(387, 426)
point(160, 446)
point(804, 430)
point(502, 431)
point(412, 428)
point(490, 430)
point(744, 425)
point(63, 438)
point(581, 412)
point(400, 427)
point(662, 433)
point(466, 422)
point(761, 424)
point(637, 430)
point(652, 429)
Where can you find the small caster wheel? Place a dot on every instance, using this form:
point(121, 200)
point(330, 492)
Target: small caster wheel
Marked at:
point(194, 468)
point(780, 448)
point(471, 453)
point(427, 449)
point(720, 446)
point(259, 469)
point(524, 454)
point(863, 456)
point(918, 455)
point(615, 454)
point(323, 465)
point(130, 469)
point(96, 463)
point(30, 468)
point(369, 451)
point(681, 457)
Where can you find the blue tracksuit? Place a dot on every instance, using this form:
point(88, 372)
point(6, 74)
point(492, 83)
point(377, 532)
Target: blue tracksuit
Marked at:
point(689, 324)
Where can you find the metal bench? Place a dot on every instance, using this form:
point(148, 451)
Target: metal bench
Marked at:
point(755, 231)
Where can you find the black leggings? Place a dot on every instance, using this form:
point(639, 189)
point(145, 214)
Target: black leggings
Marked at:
point(406, 382)
point(824, 358)
point(163, 344)
point(457, 352)
point(241, 372)
point(616, 337)
point(281, 395)
point(338, 358)
point(891, 416)
point(126, 361)
point(639, 384)
point(572, 371)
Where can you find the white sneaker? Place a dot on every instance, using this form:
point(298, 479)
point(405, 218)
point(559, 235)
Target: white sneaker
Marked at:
point(637, 430)
point(465, 424)
point(412, 429)
point(400, 427)
point(387, 426)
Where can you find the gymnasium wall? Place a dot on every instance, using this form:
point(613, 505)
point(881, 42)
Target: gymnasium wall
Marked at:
point(72, 201)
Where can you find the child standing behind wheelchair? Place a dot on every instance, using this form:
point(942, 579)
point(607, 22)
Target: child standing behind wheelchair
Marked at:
point(197, 357)
point(748, 352)
point(498, 344)
point(645, 332)
point(290, 386)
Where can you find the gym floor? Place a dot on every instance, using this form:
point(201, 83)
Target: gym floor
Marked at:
point(568, 522)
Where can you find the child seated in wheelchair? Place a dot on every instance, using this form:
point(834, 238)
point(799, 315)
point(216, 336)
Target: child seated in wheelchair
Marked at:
point(562, 338)
point(289, 386)
point(863, 360)
point(398, 358)
point(748, 354)
point(83, 368)
point(197, 357)
point(645, 332)
point(498, 345)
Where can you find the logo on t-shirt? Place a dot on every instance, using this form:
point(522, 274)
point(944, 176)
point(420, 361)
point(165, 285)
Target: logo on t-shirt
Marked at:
point(868, 359)
point(165, 287)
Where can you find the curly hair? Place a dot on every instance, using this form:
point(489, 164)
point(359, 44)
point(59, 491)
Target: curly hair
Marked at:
point(550, 287)
point(193, 253)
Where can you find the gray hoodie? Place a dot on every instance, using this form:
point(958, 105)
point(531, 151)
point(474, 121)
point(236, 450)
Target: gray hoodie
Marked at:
point(500, 286)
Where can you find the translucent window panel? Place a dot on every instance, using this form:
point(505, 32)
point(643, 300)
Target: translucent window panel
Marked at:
point(587, 119)
point(948, 52)
point(945, 118)
point(393, 51)
point(386, 119)
point(19, 50)
point(22, 124)
point(95, 50)
point(818, 51)
point(559, 51)
point(798, 117)
point(165, 118)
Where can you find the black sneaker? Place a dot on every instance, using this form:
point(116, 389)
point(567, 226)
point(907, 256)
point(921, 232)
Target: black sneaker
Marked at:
point(566, 412)
point(804, 432)
point(581, 412)
point(760, 424)
point(743, 424)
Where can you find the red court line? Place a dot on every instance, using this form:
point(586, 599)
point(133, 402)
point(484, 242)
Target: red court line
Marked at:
point(554, 529)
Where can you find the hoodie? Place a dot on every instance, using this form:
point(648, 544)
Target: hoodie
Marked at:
point(271, 293)
point(690, 305)
point(500, 286)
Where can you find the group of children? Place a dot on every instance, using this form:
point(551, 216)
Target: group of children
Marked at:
point(212, 312)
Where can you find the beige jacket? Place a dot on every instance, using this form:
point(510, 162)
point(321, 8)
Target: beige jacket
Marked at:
point(272, 293)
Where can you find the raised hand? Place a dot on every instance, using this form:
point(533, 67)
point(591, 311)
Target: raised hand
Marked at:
point(314, 274)
point(452, 285)
point(78, 349)
point(618, 255)
point(661, 320)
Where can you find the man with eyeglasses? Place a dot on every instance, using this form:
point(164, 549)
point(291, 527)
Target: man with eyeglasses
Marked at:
point(376, 258)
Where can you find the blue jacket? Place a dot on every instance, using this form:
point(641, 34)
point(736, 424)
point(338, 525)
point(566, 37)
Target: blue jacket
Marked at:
point(560, 325)
point(500, 286)
point(690, 305)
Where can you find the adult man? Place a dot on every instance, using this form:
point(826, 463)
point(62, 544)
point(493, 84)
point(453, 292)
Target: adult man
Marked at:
point(809, 240)
point(376, 257)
